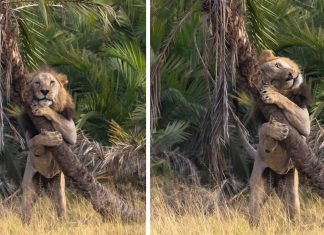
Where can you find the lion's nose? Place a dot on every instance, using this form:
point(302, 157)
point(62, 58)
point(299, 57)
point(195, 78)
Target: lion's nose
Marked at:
point(44, 92)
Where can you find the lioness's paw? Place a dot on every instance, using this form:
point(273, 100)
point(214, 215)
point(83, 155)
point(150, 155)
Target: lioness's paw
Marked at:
point(279, 131)
point(51, 138)
point(268, 95)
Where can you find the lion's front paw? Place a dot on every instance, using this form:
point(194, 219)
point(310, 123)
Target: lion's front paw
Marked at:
point(278, 131)
point(268, 95)
point(38, 110)
point(51, 138)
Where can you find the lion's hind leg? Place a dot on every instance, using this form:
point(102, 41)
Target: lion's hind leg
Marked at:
point(29, 188)
point(287, 190)
point(56, 188)
point(258, 192)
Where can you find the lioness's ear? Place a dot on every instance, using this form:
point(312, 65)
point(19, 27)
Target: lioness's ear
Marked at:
point(265, 56)
point(62, 78)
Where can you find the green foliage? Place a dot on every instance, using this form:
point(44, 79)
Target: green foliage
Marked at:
point(174, 133)
point(183, 85)
point(99, 45)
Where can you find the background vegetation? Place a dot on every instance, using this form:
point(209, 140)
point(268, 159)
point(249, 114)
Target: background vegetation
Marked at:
point(290, 28)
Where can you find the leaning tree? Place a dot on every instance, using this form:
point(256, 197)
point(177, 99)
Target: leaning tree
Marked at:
point(14, 77)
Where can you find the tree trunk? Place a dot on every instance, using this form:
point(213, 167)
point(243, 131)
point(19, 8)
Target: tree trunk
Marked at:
point(108, 205)
point(105, 203)
point(303, 157)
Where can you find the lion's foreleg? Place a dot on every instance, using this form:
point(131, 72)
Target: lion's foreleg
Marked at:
point(288, 193)
point(35, 146)
point(298, 117)
point(258, 194)
point(65, 126)
point(270, 133)
point(266, 144)
point(46, 138)
point(29, 192)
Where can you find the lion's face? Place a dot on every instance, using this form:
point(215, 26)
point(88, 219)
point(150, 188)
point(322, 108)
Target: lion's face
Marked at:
point(45, 88)
point(280, 72)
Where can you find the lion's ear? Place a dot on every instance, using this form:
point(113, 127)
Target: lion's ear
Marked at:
point(62, 78)
point(27, 92)
point(266, 56)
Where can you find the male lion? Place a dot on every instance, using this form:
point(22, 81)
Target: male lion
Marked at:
point(47, 97)
point(284, 87)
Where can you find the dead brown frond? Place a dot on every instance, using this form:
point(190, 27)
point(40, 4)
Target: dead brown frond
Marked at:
point(316, 143)
point(7, 187)
point(12, 69)
point(316, 140)
point(222, 61)
point(122, 161)
point(183, 198)
point(183, 166)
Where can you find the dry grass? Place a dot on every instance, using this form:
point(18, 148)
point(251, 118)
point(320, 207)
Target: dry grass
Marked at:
point(81, 219)
point(192, 219)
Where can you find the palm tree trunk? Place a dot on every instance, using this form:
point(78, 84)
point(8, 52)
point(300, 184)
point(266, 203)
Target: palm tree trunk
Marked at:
point(105, 203)
point(304, 159)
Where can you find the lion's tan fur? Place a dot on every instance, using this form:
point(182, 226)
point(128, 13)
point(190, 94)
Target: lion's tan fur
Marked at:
point(63, 99)
point(46, 96)
point(282, 85)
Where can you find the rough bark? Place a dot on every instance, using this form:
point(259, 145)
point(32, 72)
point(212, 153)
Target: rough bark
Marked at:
point(105, 203)
point(12, 70)
point(301, 154)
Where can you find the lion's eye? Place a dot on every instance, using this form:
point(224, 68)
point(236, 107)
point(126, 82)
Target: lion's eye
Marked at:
point(278, 65)
point(37, 83)
point(52, 82)
point(274, 82)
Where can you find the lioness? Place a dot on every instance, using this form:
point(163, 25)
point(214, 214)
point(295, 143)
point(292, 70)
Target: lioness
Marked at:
point(286, 89)
point(47, 97)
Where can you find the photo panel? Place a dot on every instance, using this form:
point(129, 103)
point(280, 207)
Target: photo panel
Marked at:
point(236, 117)
point(73, 117)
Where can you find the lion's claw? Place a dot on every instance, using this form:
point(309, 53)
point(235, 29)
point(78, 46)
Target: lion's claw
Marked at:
point(268, 95)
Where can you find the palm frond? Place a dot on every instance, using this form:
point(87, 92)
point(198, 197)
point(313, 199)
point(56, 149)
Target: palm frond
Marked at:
point(160, 60)
point(120, 162)
point(316, 139)
point(174, 133)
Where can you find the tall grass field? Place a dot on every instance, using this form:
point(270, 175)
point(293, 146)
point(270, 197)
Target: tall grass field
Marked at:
point(183, 211)
point(81, 219)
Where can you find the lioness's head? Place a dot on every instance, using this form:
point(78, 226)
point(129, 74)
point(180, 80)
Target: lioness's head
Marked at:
point(280, 72)
point(46, 87)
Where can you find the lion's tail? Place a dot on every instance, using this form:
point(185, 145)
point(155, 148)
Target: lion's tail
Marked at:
point(246, 144)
